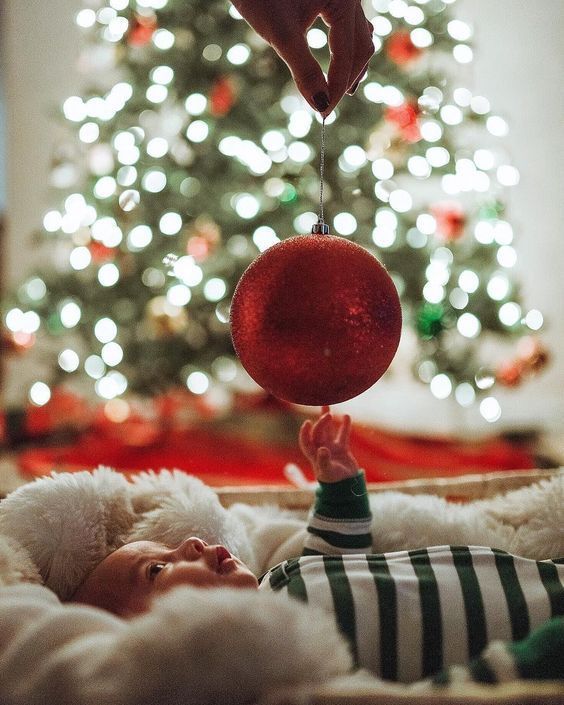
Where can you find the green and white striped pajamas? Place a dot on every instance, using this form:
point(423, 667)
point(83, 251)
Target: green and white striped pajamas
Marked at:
point(539, 656)
point(411, 614)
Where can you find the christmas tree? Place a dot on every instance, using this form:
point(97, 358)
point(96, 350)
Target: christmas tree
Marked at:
point(192, 140)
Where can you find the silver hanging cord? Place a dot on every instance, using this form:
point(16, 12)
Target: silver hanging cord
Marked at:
point(321, 228)
point(322, 170)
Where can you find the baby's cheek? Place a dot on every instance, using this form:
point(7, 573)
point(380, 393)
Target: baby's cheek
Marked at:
point(194, 574)
point(135, 602)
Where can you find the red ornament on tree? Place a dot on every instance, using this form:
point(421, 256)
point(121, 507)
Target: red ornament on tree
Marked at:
point(316, 319)
point(141, 30)
point(406, 118)
point(222, 96)
point(510, 373)
point(101, 253)
point(401, 50)
point(532, 357)
point(203, 238)
point(533, 354)
point(451, 220)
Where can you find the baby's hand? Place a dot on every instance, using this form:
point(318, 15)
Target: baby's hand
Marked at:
point(326, 446)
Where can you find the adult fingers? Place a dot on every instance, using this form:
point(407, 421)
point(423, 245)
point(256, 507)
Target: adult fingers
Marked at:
point(283, 24)
point(341, 18)
point(306, 72)
point(363, 49)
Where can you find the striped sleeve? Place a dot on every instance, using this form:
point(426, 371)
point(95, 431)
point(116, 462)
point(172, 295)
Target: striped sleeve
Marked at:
point(540, 656)
point(340, 520)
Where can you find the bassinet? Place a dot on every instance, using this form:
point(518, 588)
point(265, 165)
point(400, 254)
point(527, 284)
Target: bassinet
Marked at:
point(363, 689)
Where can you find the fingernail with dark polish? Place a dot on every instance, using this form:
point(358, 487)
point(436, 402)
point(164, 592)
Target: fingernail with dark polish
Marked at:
point(354, 87)
point(321, 100)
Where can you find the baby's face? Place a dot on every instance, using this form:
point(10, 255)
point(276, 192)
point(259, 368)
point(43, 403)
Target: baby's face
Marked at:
point(128, 579)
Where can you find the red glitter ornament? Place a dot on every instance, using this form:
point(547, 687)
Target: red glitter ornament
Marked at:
point(316, 320)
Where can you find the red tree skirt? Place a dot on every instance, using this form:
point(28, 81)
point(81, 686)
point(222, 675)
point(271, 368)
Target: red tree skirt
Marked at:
point(227, 456)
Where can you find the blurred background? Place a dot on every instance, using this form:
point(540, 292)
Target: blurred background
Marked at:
point(516, 63)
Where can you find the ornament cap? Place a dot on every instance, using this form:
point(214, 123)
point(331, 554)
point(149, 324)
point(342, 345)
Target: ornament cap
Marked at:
point(320, 228)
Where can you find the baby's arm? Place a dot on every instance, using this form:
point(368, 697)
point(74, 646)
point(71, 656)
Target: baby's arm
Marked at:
point(340, 520)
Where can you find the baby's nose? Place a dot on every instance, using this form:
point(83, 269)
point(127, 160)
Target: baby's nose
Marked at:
point(191, 548)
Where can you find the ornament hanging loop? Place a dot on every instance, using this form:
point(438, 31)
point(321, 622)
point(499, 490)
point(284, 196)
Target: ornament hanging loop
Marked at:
point(321, 227)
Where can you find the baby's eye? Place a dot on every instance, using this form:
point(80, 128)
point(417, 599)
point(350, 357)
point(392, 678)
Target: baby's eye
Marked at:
point(154, 569)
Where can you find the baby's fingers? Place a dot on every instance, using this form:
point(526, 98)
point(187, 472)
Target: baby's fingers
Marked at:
point(344, 432)
point(321, 430)
point(306, 442)
point(323, 459)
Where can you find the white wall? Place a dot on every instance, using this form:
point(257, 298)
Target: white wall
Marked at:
point(518, 65)
point(40, 45)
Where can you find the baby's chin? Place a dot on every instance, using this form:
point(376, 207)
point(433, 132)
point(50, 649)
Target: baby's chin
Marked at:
point(246, 580)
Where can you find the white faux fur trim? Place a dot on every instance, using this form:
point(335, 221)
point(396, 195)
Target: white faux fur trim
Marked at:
point(528, 522)
point(16, 565)
point(68, 523)
point(403, 522)
point(230, 646)
point(172, 506)
point(533, 515)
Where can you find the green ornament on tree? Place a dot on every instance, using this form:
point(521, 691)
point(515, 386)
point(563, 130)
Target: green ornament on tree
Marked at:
point(430, 320)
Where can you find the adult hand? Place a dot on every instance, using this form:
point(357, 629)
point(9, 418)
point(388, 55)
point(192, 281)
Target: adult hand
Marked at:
point(284, 25)
point(326, 446)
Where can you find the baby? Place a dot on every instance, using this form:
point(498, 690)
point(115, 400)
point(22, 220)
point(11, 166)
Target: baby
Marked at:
point(407, 615)
point(128, 579)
